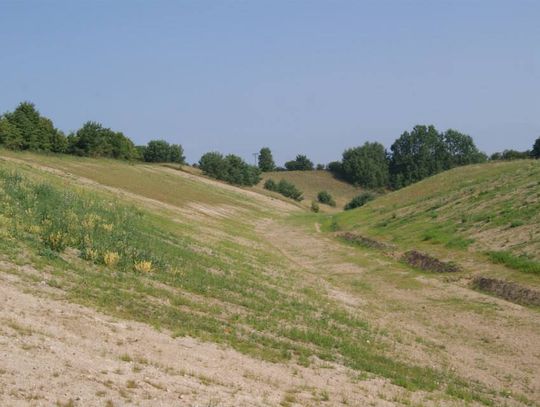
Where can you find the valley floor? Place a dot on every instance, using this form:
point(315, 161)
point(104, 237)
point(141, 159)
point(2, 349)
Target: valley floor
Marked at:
point(53, 350)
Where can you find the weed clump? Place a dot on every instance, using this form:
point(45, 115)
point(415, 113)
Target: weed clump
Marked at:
point(143, 266)
point(111, 259)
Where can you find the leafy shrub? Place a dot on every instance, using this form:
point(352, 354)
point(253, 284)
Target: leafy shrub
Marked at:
point(289, 190)
point(360, 200)
point(271, 185)
point(285, 188)
point(336, 168)
point(314, 206)
point(324, 197)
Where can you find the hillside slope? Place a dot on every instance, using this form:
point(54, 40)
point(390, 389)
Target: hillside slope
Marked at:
point(313, 182)
point(161, 260)
point(489, 210)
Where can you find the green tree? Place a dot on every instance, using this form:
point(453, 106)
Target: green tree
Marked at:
point(58, 142)
point(10, 135)
point(266, 161)
point(176, 154)
point(366, 166)
point(212, 164)
point(416, 155)
point(231, 169)
point(37, 132)
point(94, 140)
point(535, 152)
point(336, 168)
point(460, 150)
point(157, 151)
point(301, 163)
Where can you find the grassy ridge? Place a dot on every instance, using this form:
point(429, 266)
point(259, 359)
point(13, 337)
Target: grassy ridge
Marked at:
point(489, 207)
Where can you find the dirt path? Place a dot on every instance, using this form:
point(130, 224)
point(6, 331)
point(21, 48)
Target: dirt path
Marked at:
point(431, 322)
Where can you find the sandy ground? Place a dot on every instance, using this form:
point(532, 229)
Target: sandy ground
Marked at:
point(53, 351)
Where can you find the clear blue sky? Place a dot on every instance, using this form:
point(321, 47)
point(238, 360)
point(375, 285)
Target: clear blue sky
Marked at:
point(308, 76)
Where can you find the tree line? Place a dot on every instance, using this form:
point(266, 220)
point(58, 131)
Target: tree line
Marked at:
point(415, 155)
point(26, 129)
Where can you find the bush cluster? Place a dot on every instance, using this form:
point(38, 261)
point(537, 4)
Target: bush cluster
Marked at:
point(300, 163)
point(285, 188)
point(324, 197)
point(160, 151)
point(231, 169)
point(360, 200)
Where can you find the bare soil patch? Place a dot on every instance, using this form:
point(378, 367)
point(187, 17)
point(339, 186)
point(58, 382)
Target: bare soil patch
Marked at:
point(364, 241)
point(429, 263)
point(508, 290)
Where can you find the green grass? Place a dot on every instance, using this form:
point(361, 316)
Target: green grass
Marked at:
point(520, 263)
point(478, 207)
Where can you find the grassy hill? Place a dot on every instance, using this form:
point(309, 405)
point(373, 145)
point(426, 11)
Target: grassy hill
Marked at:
point(197, 258)
point(491, 210)
point(313, 182)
